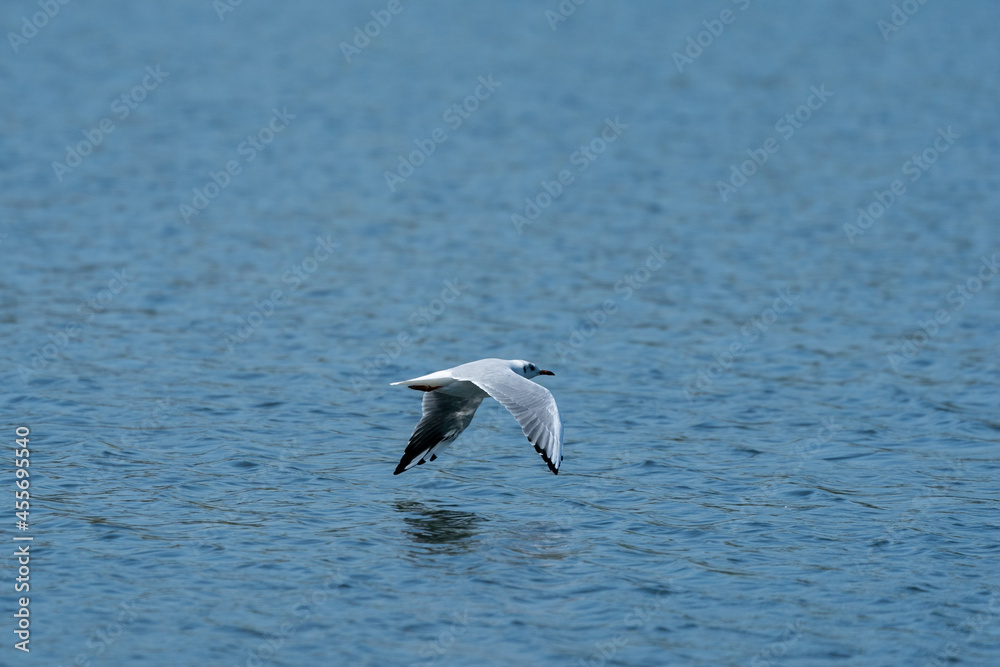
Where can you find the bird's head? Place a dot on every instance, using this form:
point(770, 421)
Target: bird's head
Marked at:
point(527, 369)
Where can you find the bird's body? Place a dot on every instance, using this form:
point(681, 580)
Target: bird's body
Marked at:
point(452, 396)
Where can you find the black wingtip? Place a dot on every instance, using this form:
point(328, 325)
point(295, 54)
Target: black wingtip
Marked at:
point(552, 467)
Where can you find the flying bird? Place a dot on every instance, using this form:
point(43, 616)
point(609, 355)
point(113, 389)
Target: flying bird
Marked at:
point(452, 396)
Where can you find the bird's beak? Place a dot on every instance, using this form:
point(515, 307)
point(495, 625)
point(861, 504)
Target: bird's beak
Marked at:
point(546, 373)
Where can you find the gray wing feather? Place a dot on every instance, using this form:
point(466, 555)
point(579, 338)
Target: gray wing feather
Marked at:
point(535, 410)
point(444, 418)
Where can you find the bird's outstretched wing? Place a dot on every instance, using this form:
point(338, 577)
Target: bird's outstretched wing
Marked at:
point(444, 418)
point(533, 407)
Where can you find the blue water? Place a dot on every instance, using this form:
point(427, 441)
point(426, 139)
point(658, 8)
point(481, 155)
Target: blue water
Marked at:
point(781, 413)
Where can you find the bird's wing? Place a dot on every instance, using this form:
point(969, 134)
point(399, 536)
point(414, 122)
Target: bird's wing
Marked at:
point(444, 418)
point(533, 407)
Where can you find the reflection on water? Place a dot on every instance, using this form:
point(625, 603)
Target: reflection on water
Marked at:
point(449, 528)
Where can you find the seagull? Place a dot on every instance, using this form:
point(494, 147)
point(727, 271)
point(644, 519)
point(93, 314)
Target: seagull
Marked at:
point(452, 396)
